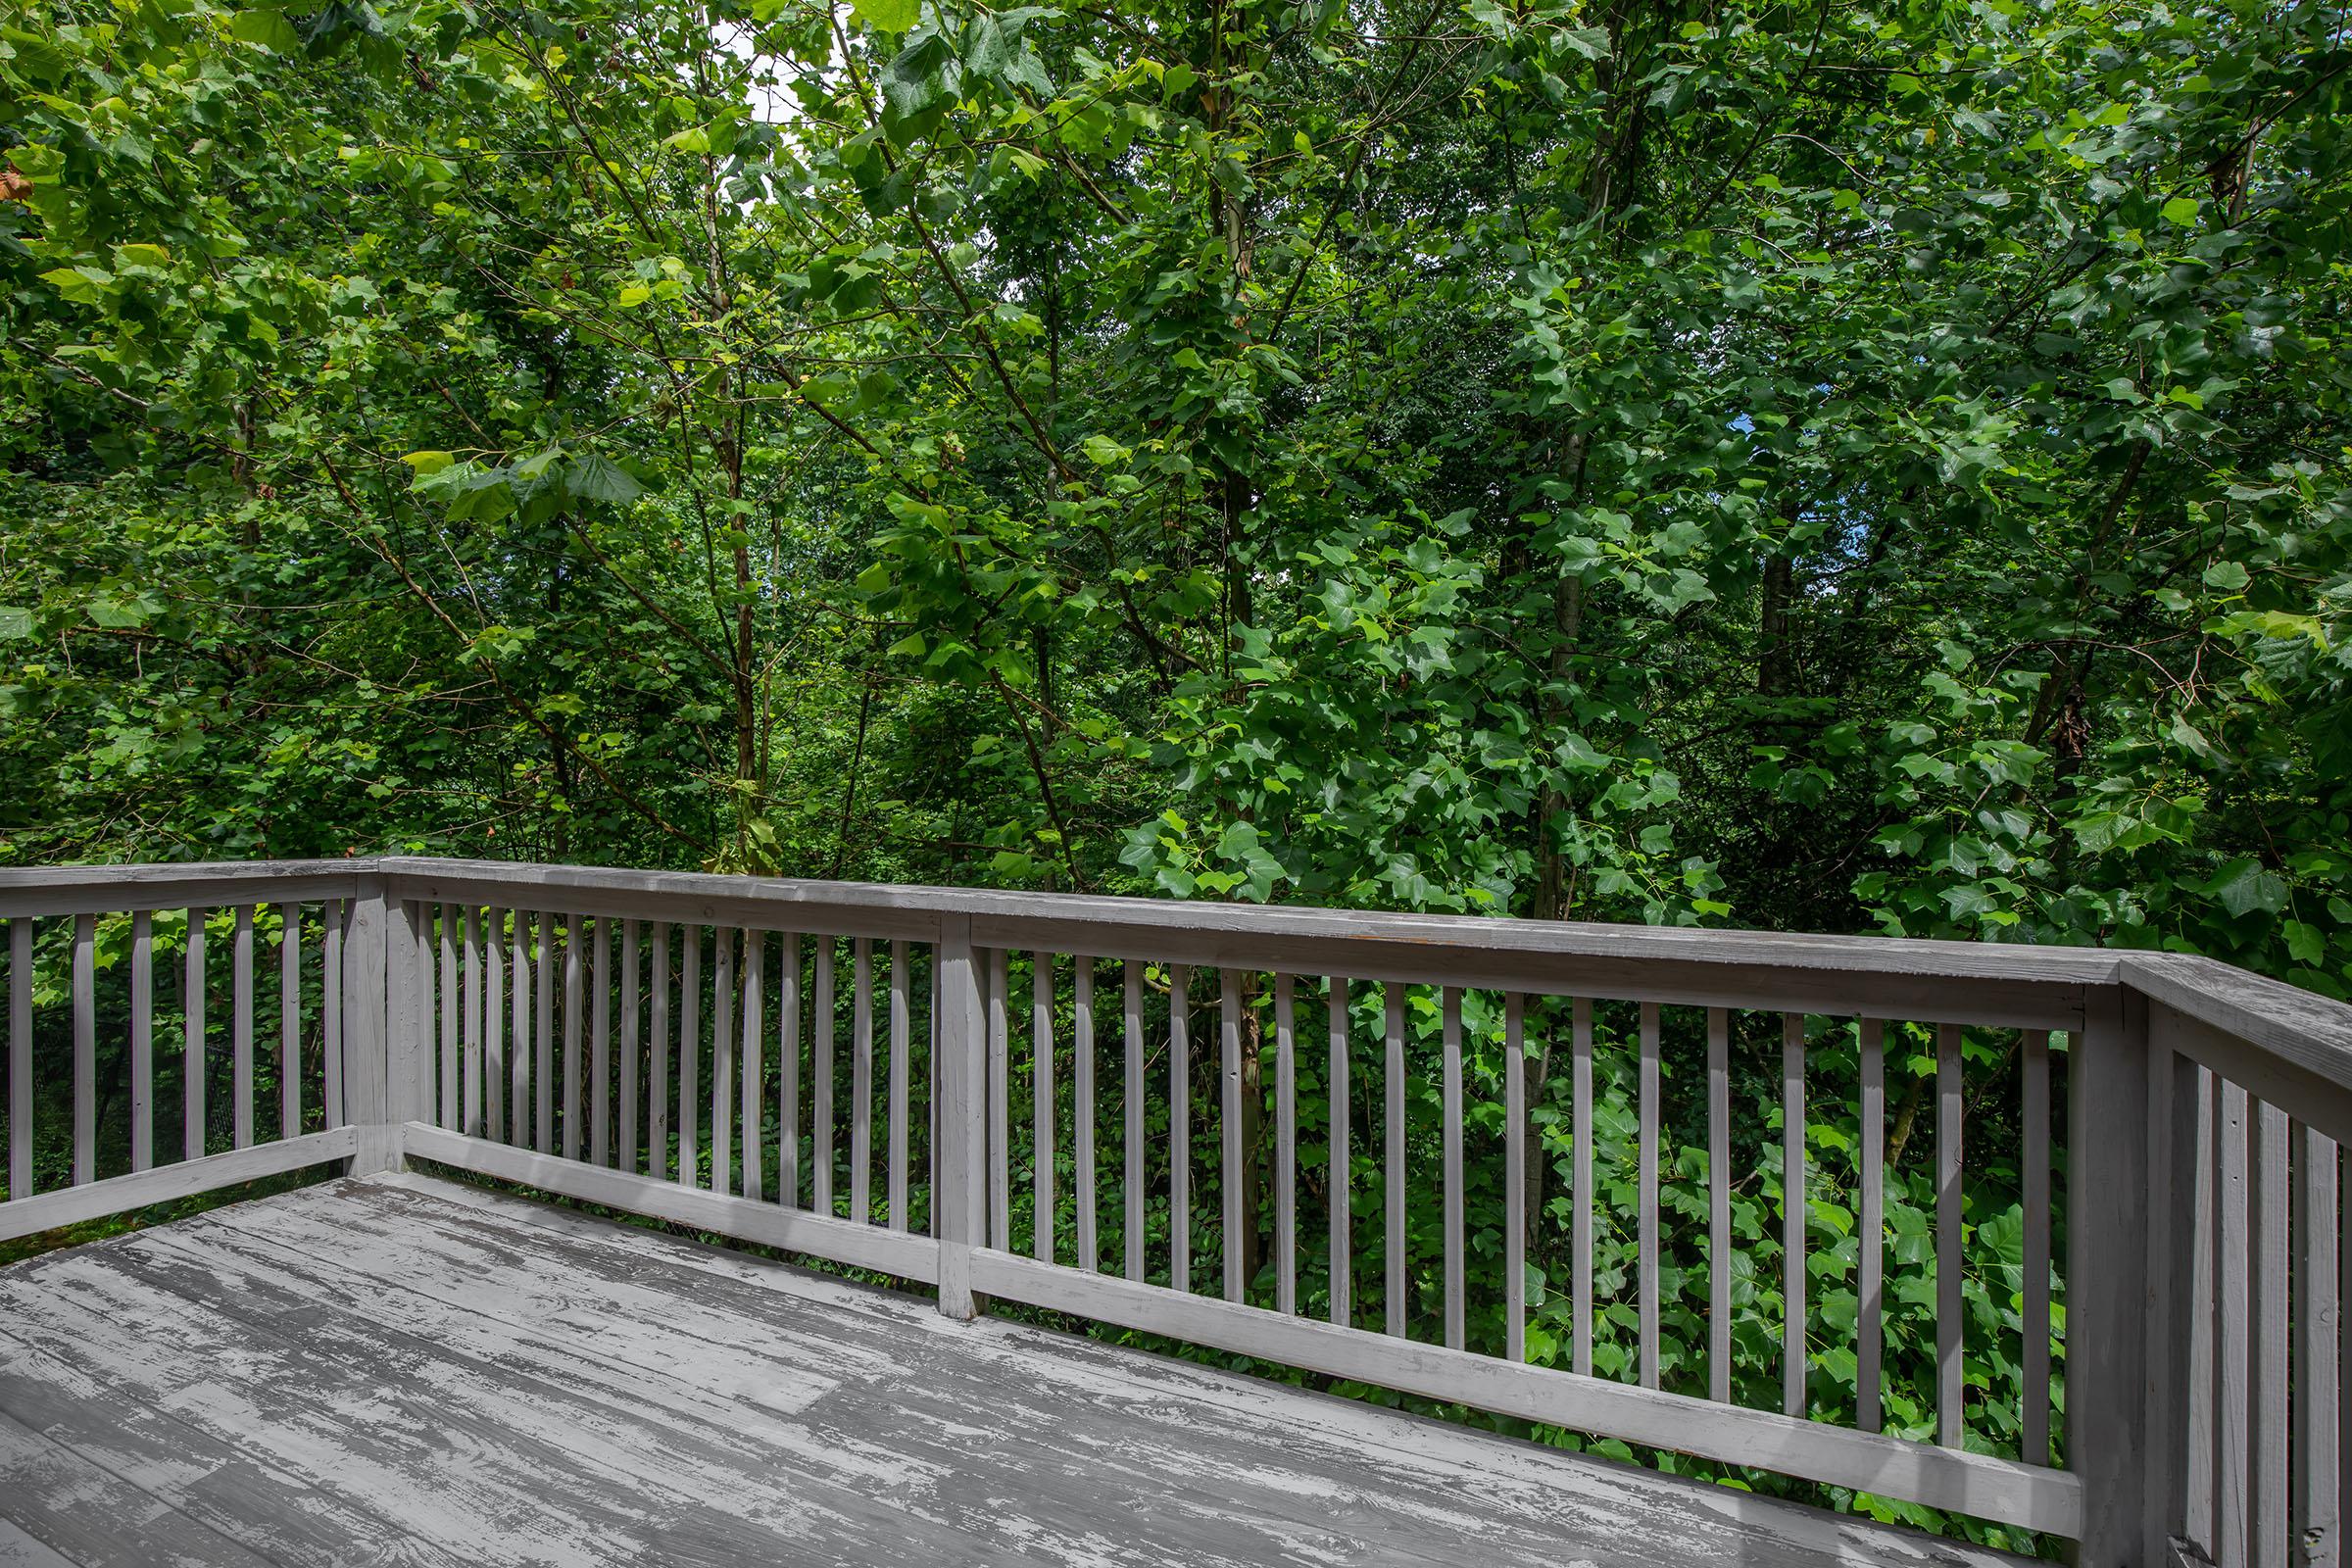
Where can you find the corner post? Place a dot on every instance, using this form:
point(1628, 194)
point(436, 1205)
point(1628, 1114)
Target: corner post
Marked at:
point(959, 1194)
point(365, 1036)
point(383, 1031)
point(2113, 1116)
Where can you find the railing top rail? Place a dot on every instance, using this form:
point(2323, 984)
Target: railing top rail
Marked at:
point(1963, 960)
point(2313, 1030)
point(2000, 982)
point(52, 890)
point(1924, 981)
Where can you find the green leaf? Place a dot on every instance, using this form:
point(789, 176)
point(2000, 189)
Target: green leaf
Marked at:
point(595, 478)
point(266, 28)
point(35, 56)
point(2187, 735)
point(1576, 753)
point(2181, 209)
point(116, 613)
point(922, 76)
point(15, 623)
point(2245, 887)
point(84, 285)
point(1591, 43)
point(888, 15)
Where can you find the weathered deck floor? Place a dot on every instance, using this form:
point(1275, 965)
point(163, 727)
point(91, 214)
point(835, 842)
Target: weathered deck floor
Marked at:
point(404, 1371)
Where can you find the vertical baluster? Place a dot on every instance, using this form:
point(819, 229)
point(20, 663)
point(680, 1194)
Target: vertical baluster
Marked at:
point(788, 1048)
point(1041, 1103)
point(289, 1019)
point(901, 1045)
point(1228, 1118)
point(574, 980)
point(2344, 1346)
point(2267, 1383)
point(2034, 1425)
point(544, 1036)
point(1646, 1197)
point(142, 1041)
point(1285, 1149)
point(999, 1104)
point(1180, 1128)
point(861, 1081)
point(1514, 1178)
point(1870, 1325)
point(656, 1088)
point(241, 1026)
point(2195, 1223)
point(494, 1039)
point(448, 981)
point(1001, 1093)
point(417, 972)
point(1132, 1185)
point(599, 1047)
point(1457, 1311)
point(689, 1057)
point(822, 1087)
point(1342, 1178)
point(1581, 1234)
point(722, 1062)
point(2233, 1260)
point(2318, 1373)
point(2172, 1149)
point(754, 1069)
point(192, 1067)
point(1719, 1205)
point(471, 1107)
point(331, 1008)
point(19, 1050)
point(519, 1067)
point(631, 1048)
point(1394, 1217)
point(1082, 1104)
point(85, 1051)
point(1793, 1212)
point(1949, 1085)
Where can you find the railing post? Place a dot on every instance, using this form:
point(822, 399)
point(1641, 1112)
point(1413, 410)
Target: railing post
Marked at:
point(365, 1033)
point(385, 1086)
point(959, 1183)
point(2111, 1283)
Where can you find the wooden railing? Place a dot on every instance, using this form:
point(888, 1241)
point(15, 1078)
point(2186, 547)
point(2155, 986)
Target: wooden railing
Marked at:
point(838, 1070)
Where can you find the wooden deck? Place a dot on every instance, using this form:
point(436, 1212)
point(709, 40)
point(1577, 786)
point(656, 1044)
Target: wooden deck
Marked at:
point(400, 1370)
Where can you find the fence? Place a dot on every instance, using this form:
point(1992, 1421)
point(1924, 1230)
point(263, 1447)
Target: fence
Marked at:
point(846, 1071)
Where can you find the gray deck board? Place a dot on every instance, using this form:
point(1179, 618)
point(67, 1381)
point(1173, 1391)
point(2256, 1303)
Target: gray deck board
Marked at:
point(400, 1370)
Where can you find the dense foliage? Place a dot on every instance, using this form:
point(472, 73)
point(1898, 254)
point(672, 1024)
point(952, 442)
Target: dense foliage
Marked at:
point(1843, 468)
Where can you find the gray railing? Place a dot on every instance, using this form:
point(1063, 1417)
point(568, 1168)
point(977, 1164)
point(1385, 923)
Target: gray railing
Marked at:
point(838, 1070)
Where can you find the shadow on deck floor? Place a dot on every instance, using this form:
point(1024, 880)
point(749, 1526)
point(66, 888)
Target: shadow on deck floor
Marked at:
point(402, 1371)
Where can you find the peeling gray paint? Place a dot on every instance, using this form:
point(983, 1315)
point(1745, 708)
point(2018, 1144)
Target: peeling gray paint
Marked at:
point(398, 1370)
